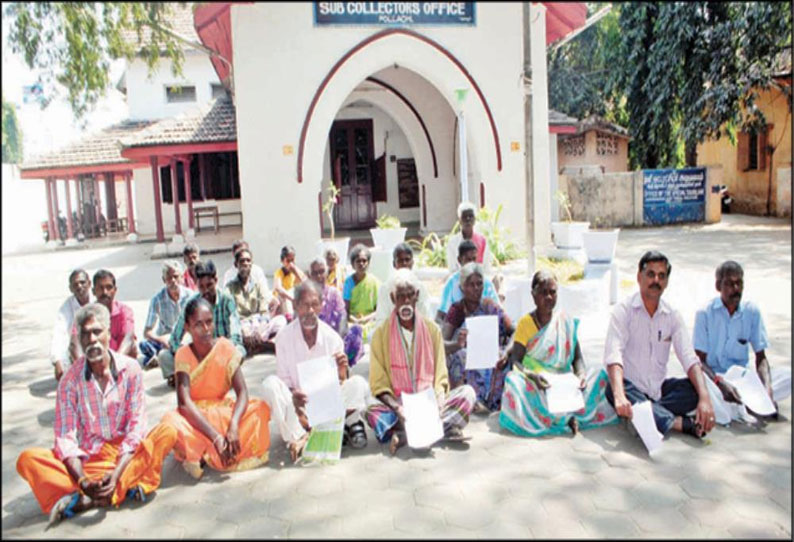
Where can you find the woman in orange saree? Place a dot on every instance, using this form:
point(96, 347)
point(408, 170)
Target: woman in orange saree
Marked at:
point(213, 429)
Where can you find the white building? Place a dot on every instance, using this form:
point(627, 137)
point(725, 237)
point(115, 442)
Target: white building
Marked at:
point(375, 97)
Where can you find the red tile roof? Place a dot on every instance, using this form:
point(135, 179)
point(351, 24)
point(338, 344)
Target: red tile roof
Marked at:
point(98, 149)
point(212, 122)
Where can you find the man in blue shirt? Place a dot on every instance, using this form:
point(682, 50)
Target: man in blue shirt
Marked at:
point(724, 329)
point(452, 293)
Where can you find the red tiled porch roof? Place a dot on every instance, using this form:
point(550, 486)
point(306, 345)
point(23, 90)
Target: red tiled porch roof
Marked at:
point(94, 153)
point(211, 127)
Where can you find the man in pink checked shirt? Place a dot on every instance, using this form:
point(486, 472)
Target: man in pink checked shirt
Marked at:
point(102, 454)
point(122, 321)
point(641, 331)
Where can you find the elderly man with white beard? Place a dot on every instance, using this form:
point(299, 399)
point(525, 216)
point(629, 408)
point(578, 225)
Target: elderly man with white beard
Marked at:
point(407, 356)
point(307, 337)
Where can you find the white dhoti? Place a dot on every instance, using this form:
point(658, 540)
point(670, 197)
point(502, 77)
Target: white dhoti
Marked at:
point(355, 396)
point(725, 412)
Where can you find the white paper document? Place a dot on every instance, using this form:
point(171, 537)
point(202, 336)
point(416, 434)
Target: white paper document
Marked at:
point(642, 418)
point(751, 390)
point(564, 394)
point(319, 380)
point(482, 342)
point(422, 421)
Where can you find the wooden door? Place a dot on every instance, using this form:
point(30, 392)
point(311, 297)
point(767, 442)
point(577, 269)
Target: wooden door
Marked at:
point(352, 158)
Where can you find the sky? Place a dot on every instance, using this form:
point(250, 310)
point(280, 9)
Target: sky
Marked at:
point(47, 130)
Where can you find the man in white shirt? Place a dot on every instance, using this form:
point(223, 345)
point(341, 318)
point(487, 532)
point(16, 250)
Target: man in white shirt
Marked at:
point(402, 258)
point(641, 331)
point(257, 274)
point(64, 343)
point(307, 337)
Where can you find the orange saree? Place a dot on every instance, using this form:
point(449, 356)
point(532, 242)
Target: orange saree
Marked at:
point(210, 382)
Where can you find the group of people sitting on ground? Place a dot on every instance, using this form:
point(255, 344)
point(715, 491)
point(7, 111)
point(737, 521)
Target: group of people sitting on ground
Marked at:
point(104, 455)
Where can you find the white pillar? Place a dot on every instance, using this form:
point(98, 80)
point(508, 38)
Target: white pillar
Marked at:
point(555, 177)
point(463, 170)
point(541, 174)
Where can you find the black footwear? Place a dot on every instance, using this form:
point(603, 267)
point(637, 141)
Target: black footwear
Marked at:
point(355, 435)
point(689, 427)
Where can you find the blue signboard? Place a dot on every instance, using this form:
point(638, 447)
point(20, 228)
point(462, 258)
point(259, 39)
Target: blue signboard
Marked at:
point(670, 196)
point(394, 13)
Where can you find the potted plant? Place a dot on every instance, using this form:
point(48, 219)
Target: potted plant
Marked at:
point(567, 234)
point(341, 244)
point(600, 242)
point(389, 233)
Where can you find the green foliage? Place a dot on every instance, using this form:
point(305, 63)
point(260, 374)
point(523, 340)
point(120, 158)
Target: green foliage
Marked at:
point(565, 203)
point(432, 251)
point(565, 270)
point(580, 71)
point(73, 43)
point(501, 246)
point(690, 70)
point(387, 222)
point(329, 204)
point(12, 135)
point(674, 73)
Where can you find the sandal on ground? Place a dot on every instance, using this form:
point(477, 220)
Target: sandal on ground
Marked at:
point(63, 509)
point(296, 448)
point(153, 363)
point(455, 434)
point(136, 494)
point(355, 435)
point(195, 470)
point(689, 427)
point(398, 440)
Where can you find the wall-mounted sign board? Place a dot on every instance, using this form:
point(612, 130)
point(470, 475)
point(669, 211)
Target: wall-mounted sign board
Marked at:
point(394, 13)
point(673, 195)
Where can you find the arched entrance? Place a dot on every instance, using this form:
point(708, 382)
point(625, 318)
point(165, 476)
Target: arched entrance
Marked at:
point(391, 150)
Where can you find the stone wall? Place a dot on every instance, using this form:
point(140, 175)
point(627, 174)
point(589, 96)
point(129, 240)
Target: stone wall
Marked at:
point(616, 199)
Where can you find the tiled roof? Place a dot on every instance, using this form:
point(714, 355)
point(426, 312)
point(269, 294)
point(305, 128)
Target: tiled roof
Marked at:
point(181, 22)
point(561, 119)
point(594, 122)
point(100, 148)
point(212, 122)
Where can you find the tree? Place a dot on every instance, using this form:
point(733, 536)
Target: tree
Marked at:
point(73, 43)
point(693, 70)
point(12, 135)
point(580, 71)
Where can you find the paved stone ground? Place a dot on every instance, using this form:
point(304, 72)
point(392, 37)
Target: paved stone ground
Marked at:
point(602, 484)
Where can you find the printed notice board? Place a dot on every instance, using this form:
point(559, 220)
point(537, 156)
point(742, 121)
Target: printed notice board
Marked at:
point(670, 196)
point(394, 13)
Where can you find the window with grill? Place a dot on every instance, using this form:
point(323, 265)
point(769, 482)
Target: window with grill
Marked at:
point(180, 94)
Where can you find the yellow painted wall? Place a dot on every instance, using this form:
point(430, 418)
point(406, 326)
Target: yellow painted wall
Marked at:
point(749, 188)
point(611, 163)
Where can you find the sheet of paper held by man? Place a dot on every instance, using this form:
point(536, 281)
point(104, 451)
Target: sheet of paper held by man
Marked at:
point(642, 418)
point(319, 380)
point(564, 394)
point(422, 420)
point(751, 389)
point(482, 342)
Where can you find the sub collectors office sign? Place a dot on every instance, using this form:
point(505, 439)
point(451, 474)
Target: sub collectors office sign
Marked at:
point(394, 13)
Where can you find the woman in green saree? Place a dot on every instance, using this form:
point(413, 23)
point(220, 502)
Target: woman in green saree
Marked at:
point(360, 293)
point(546, 342)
